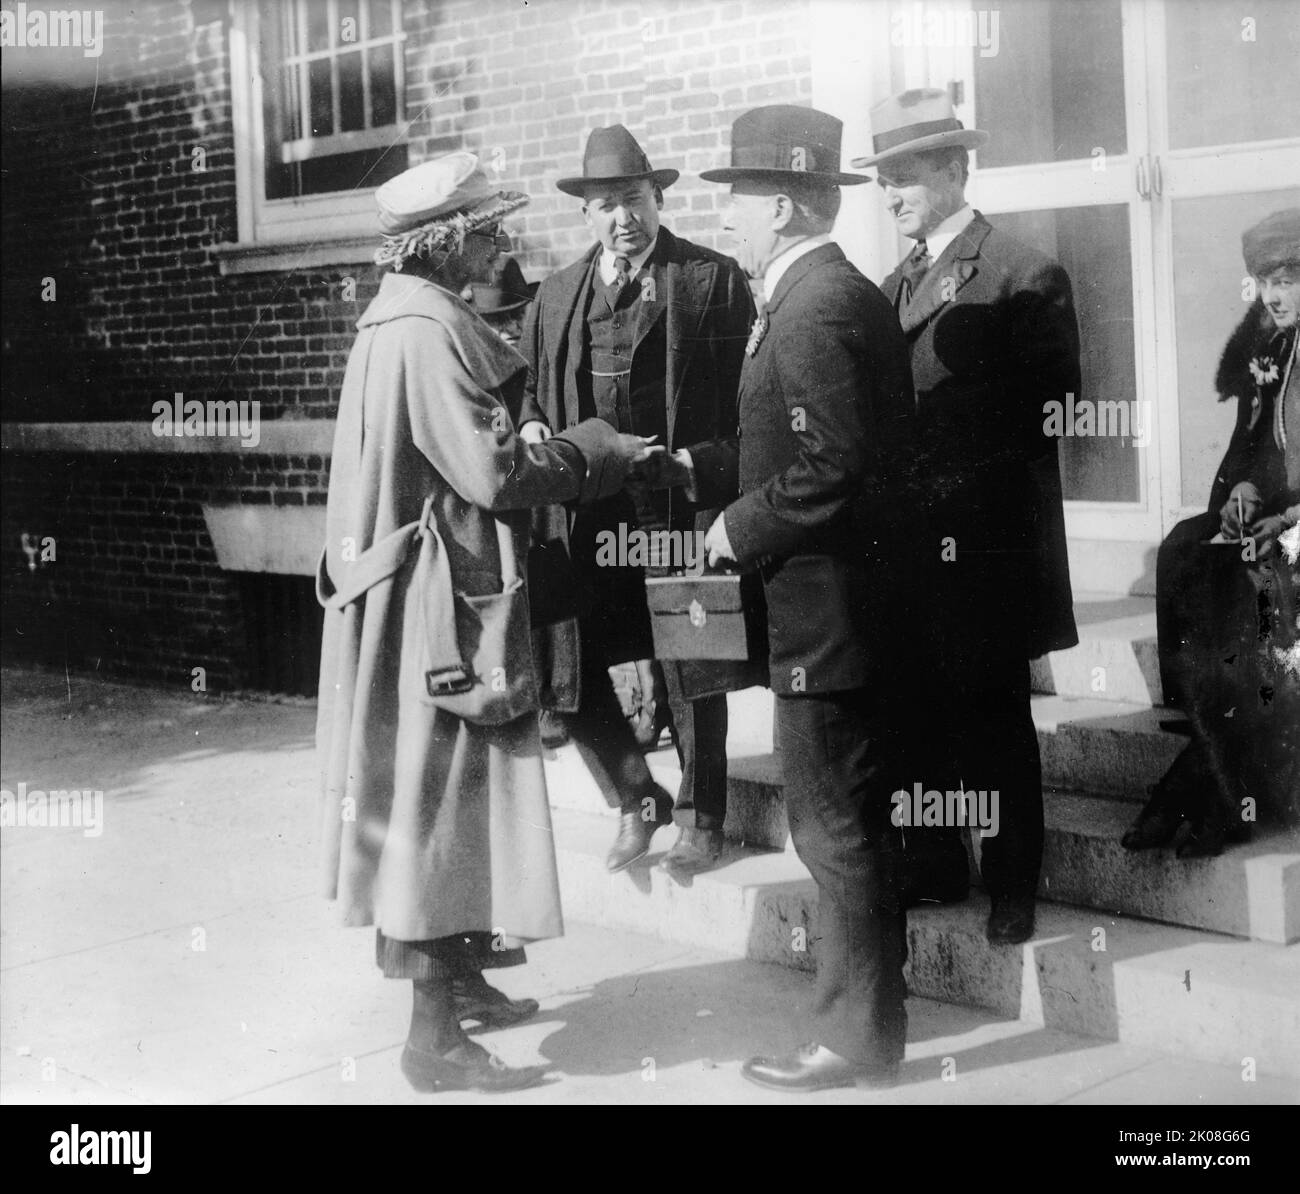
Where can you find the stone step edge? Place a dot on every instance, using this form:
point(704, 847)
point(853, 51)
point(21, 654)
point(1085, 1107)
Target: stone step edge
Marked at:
point(776, 897)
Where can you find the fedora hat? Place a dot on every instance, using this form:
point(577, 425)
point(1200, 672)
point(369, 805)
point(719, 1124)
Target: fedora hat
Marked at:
point(506, 293)
point(436, 204)
point(783, 141)
point(613, 155)
point(914, 121)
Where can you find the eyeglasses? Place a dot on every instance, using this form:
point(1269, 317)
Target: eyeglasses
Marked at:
point(499, 239)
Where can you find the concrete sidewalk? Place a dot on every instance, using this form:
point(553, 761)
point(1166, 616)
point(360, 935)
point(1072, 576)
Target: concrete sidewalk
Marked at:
point(182, 954)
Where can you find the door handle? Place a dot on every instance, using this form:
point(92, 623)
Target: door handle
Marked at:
point(1143, 187)
point(1157, 177)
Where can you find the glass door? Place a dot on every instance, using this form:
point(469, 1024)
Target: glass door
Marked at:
point(1225, 144)
point(1060, 92)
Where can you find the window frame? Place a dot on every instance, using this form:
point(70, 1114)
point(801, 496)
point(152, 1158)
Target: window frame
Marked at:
point(333, 216)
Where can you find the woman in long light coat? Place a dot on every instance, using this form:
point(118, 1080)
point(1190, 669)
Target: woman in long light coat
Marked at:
point(437, 829)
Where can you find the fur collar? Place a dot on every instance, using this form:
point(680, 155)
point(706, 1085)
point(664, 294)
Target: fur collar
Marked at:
point(1233, 378)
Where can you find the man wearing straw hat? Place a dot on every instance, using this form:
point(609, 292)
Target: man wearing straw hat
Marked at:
point(993, 338)
point(825, 411)
point(646, 331)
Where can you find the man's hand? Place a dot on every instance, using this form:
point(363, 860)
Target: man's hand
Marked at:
point(1265, 532)
point(1242, 508)
point(633, 450)
point(663, 469)
point(716, 542)
point(534, 432)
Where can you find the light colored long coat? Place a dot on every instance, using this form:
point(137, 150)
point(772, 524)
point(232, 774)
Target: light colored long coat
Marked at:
point(432, 826)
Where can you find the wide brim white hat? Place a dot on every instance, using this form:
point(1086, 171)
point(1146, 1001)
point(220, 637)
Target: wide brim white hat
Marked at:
point(436, 204)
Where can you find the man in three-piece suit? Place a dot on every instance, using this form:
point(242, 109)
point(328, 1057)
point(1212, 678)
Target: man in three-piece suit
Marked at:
point(993, 337)
point(825, 414)
point(646, 331)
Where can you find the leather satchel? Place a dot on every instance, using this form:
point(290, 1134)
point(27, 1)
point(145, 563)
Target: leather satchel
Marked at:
point(476, 654)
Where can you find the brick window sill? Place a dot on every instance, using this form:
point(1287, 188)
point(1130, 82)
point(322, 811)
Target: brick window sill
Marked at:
point(266, 257)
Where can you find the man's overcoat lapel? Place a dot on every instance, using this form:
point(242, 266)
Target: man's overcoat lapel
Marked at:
point(956, 266)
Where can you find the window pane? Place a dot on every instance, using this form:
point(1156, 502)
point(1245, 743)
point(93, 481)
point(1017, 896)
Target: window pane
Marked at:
point(1092, 244)
point(352, 110)
point(383, 87)
point(318, 23)
point(348, 171)
point(322, 98)
point(1224, 88)
point(1209, 275)
point(381, 18)
point(1055, 88)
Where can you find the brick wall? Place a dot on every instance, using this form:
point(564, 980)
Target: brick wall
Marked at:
point(101, 196)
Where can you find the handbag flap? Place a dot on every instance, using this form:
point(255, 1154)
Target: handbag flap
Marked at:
point(718, 593)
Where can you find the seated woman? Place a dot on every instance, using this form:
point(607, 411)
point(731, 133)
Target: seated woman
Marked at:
point(435, 819)
point(1226, 588)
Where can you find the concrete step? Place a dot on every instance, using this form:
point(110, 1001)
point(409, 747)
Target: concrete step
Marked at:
point(1115, 658)
point(1108, 747)
point(1176, 990)
point(1251, 890)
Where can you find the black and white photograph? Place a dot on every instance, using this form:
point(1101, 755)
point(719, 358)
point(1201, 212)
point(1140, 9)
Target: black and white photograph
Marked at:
point(651, 553)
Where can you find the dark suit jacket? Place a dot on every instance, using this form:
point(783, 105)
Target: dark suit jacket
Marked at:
point(993, 338)
point(704, 299)
point(826, 414)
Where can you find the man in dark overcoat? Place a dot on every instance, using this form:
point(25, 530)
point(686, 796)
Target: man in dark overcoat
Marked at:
point(825, 413)
point(647, 331)
point(993, 337)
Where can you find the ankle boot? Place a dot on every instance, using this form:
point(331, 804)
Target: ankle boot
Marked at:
point(439, 1056)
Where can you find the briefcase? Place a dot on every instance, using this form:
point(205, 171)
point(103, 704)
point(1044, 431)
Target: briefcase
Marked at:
point(710, 616)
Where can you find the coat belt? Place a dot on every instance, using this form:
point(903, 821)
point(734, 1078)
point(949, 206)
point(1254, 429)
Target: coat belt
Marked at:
point(378, 562)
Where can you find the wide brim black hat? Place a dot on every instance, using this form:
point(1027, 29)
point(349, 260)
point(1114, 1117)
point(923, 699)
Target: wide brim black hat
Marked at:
point(782, 142)
point(613, 155)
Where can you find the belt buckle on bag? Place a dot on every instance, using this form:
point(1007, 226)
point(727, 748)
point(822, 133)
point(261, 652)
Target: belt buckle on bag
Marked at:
point(449, 681)
point(697, 615)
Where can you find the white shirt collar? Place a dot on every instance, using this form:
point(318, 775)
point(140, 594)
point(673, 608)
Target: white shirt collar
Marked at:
point(948, 231)
point(607, 270)
point(776, 269)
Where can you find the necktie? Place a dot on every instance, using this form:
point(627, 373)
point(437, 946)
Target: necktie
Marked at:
point(914, 269)
point(622, 270)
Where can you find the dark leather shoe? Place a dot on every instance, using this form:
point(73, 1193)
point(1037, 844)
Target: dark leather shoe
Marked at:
point(694, 851)
point(1011, 922)
point(814, 1067)
point(468, 1066)
point(476, 999)
point(633, 841)
point(1156, 824)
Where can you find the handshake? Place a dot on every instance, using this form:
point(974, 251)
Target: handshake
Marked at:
point(650, 465)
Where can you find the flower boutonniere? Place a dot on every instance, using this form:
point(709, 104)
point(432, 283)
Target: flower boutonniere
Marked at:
point(756, 334)
point(1263, 370)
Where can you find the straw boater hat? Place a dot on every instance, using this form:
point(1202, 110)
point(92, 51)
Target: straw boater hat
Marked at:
point(916, 121)
point(1273, 242)
point(434, 206)
point(507, 293)
point(782, 141)
point(613, 155)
